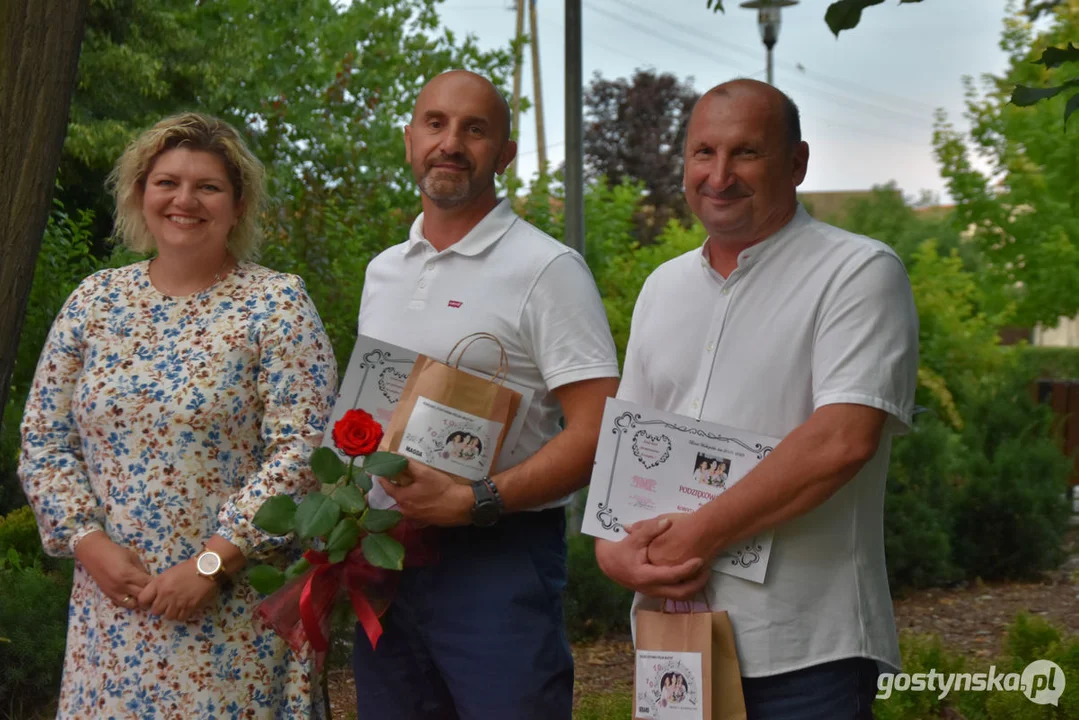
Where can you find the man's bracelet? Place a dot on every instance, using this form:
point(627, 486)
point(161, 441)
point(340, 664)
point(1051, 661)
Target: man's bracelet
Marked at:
point(494, 492)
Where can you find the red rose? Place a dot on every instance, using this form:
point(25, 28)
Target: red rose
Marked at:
point(357, 433)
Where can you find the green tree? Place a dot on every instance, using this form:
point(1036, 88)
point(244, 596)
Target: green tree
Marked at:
point(1023, 212)
point(318, 86)
point(634, 129)
point(320, 92)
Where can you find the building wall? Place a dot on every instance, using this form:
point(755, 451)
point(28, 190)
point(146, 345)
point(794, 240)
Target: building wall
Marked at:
point(1065, 334)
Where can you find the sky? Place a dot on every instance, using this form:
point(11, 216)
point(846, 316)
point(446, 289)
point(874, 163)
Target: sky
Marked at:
point(867, 98)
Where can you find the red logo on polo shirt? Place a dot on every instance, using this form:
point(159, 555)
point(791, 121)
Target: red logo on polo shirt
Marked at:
point(454, 303)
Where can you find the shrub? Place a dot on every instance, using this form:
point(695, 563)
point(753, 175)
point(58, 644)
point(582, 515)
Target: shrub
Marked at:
point(18, 532)
point(925, 468)
point(594, 605)
point(1058, 363)
point(1029, 639)
point(33, 621)
point(1017, 485)
point(920, 653)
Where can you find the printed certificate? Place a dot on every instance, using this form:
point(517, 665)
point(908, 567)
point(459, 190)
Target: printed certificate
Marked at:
point(376, 375)
point(650, 463)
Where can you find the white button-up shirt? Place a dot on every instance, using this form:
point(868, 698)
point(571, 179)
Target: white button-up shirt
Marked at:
point(508, 278)
point(811, 316)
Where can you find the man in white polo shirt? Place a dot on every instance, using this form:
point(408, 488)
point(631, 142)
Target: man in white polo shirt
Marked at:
point(480, 633)
point(792, 328)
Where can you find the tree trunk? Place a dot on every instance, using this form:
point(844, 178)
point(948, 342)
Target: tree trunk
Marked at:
point(39, 53)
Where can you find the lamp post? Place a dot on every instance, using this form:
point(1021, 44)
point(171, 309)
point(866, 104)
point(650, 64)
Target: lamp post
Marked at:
point(768, 23)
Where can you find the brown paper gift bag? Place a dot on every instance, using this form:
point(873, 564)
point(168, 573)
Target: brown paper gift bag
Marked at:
point(449, 419)
point(660, 636)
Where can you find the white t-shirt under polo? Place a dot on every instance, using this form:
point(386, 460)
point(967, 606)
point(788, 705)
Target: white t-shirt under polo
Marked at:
point(811, 316)
point(508, 278)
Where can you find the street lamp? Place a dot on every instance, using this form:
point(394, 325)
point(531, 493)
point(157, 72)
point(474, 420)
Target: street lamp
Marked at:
point(768, 23)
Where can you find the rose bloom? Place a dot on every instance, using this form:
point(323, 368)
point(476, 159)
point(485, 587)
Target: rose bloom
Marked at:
point(357, 433)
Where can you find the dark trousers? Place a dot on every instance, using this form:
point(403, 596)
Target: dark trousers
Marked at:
point(839, 690)
point(479, 635)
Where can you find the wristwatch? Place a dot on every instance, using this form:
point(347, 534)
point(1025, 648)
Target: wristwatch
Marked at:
point(488, 507)
point(209, 565)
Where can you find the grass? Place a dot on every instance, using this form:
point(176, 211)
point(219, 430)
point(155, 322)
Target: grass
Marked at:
point(605, 706)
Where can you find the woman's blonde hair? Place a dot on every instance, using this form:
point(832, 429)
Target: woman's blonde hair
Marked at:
point(192, 131)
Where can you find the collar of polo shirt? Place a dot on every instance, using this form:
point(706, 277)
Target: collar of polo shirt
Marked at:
point(488, 231)
point(755, 253)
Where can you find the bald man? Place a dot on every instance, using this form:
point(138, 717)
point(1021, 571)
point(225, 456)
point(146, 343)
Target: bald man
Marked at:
point(788, 327)
point(480, 634)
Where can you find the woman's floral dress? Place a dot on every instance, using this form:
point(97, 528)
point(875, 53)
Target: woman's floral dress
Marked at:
point(163, 421)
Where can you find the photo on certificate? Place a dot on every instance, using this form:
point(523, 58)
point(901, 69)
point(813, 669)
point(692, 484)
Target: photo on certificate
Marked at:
point(711, 470)
point(651, 463)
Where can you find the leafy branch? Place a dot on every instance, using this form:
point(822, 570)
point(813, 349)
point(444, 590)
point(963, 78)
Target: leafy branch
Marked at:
point(1025, 96)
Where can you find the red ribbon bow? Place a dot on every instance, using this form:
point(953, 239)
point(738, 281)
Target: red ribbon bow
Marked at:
point(300, 611)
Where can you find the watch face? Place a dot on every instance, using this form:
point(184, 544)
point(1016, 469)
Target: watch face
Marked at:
point(208, 563)
point(485, 513)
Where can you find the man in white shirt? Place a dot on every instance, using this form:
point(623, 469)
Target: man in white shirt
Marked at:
point(792, 328)
point(480, 633)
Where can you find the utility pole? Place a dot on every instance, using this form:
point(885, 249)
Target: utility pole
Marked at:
point(537, 86)
point(574, 227)
point(517, 60)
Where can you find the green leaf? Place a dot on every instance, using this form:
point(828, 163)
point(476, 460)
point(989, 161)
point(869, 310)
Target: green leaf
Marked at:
point(363, 481)
point(316, 516)
point(378, 521)
point(1024, 96)
point(327, 466)
point(266, 579)
point(846, 14)
point(350, 498)
point(716, 6)
point(1055, 57)
point(383, 551)
point(276, 516)
point(385, 464)
point(297, 569)
point(1072, 106)
point(337, 556)
point(344, 535)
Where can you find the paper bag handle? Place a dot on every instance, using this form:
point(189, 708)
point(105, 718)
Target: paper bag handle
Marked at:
point(503, 361)
point(707, 604)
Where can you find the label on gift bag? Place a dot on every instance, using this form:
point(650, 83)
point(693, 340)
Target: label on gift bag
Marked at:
point(450, 440)
point(668, 686)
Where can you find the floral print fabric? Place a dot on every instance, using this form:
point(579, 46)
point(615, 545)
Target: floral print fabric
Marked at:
point(163, 421)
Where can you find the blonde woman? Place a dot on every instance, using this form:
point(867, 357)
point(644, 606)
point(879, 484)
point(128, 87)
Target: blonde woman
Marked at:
point(172, 398)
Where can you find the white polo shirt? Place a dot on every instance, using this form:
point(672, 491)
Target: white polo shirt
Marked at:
point(508, 278)
point(811, 316)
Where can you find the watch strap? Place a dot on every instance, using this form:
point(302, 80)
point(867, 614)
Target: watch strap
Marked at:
point(488, 506)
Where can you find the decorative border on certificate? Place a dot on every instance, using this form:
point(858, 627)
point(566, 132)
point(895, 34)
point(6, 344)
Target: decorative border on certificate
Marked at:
point(642, 470)
point(649, 458)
